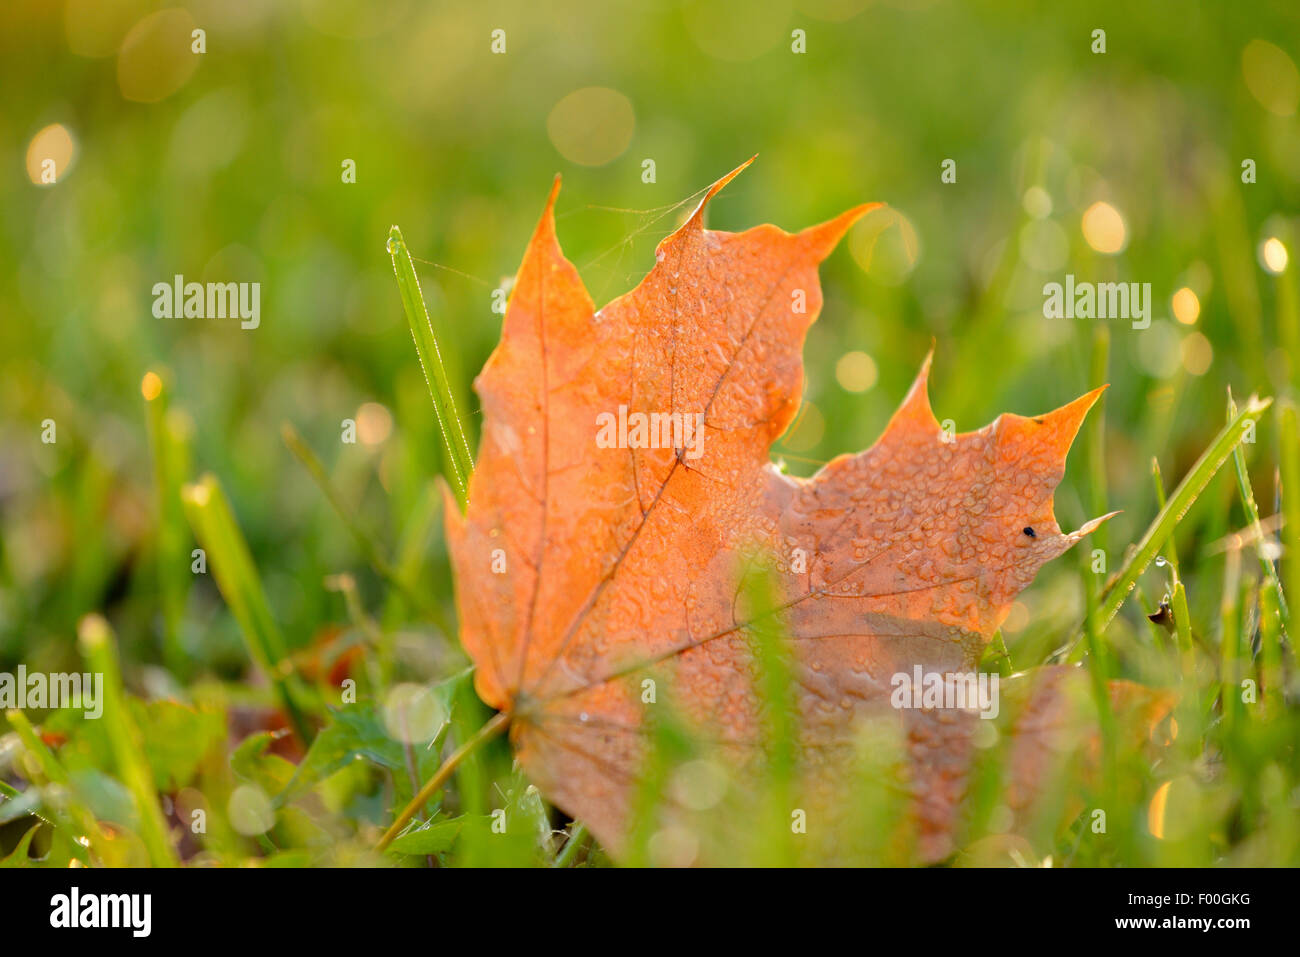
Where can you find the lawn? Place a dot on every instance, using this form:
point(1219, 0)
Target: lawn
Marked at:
point(256, 254)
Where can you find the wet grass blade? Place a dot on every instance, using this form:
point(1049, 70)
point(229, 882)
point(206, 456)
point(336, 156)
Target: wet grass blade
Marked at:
point(1252, 516)
point(1171, 547)
point(214, 525)
point(1193, 483)
point(1177, 593)
point(1290, 455)
point(459, 459)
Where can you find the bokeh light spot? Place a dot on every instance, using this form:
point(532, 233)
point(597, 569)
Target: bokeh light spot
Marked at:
point(1198, 353)
point(737, 32)
point(1271, 77)
point(95, 28)
point(1159, 349)
point(1037, 202)
point(348, 20)
point(1176, 810)
point(673, 847)
point(412, 713)
point(836, 11)
point(1044, 245)
point(856, 372)
point(1103, 228)
point(699, 785)
point(1017, 619)
point(1273, 255)
point(50, 154)
point(156, 60)
point(374, 423)
point(250, 811)
point(592, 126)
point(1187, 308)
point(1156, 811)
point(886, 245)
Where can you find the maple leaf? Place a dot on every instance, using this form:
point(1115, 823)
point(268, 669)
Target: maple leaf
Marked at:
point(583, 567)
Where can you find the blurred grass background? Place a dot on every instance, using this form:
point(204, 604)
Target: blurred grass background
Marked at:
point(228, 166)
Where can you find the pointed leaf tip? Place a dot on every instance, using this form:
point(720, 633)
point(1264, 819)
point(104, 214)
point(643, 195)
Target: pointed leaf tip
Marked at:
point(546, 223)
point(921, 384)
point(915, 411)
point(697, 217)
point(1065, 421)
point(824, 237)
point(1090, 526)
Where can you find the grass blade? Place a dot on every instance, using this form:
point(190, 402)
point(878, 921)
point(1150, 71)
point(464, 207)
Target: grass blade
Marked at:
point(1193, 483)
point(214, 524)
point(1096, 434)
point(1230, 640)
point(577, 838)
point(1252, 516)
point(69, 814)
point(382, 566)
point(417, 530)
point(1290, 455)
point(100, 650)
point(459, 458)
point(1177, 592)
point(169, 443)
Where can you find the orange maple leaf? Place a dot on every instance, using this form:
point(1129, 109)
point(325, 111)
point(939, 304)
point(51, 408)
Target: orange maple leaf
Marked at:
point(587, 562)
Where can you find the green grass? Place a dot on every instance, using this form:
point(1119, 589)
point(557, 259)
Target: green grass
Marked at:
point(275, 691)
